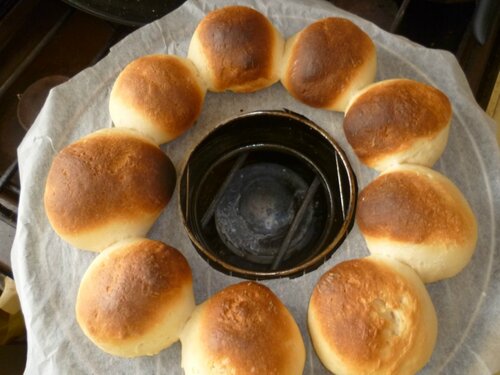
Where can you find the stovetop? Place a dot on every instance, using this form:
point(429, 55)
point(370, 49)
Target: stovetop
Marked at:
point(43, 42)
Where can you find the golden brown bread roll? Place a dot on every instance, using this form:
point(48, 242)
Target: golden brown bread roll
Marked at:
point(237, 48)
point(160, 96)
point(109, 185)
point(244, 329)
point(419, 217)
point(135, 298)
point(327, 62)
point(372, 316)
point(398, 121)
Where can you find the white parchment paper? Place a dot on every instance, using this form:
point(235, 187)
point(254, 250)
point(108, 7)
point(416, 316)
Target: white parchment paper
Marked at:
point(48, 270)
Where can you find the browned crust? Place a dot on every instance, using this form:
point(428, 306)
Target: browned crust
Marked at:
point(248, 325)
point(238, 43)
point(325, 59)
point(354, 305)
point(414, 208)
point(390, 116)
point(107, 176)
point(126, 295)
point(164, 90)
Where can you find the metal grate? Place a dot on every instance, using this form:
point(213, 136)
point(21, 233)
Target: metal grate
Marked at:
point(9, 195)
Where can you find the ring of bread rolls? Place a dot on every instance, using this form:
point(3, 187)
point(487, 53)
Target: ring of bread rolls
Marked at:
point(245, 327)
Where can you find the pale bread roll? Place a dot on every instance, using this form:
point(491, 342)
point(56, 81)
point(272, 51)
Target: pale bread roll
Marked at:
point(135, 298)
point(398, 121)
point(160, 96)
point(327, 62)
point(237, 48)
point(372, 316)
point(109, 185)
point(419, 217)
point(243, 329)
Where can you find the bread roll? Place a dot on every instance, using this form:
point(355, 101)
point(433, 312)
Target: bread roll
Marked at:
point(372, 316)
point(244, 329)
point(110, 185)
point(398, 121)
point(419, 217)
point(135, 298)
point(161, 96)
point(237, 48)
point(326, 63)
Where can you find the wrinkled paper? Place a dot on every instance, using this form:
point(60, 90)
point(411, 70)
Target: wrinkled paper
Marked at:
point(48, 270)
